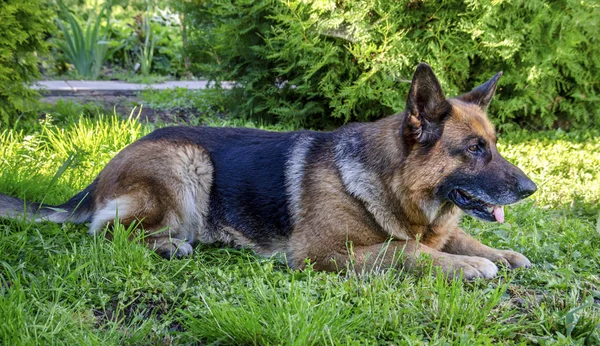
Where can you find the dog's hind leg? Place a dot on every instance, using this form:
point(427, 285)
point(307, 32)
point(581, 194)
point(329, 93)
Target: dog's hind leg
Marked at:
point(162, 185)
point(162, 226)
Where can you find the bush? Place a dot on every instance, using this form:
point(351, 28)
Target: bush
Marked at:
point(23, 26)
point(312, 63)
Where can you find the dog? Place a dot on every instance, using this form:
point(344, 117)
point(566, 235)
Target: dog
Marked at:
point(368, 195)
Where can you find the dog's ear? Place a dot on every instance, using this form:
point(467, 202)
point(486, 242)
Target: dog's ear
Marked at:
point(426, 105)
point(483, 94)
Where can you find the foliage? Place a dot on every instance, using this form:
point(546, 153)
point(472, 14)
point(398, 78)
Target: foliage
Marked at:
point(124, 30)
point(146, 53)
point(59, 285)
point(315, 62)
point(24, 25)
point(139, 35)
point(61, 112)
point(198, 107)
point(175, 98)
point(169, 55)
point(84, 45)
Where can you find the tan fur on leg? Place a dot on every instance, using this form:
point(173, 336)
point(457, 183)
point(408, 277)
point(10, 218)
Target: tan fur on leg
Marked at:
point(408, 254)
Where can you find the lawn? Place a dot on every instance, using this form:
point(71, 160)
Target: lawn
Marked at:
point(60, 286)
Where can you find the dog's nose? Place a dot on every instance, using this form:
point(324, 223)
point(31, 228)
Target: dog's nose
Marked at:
point(526, 187)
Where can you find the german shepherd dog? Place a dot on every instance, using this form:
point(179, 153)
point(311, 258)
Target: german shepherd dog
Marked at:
point(364, 195)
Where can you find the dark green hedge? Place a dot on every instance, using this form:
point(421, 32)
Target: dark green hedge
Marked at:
point(313, 63)
point(23, 26)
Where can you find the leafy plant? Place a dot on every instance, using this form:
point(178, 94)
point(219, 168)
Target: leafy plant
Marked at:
point(23, 27)
point(84, 45)
point(146, 41)
point(314, 63)
point(146, 51)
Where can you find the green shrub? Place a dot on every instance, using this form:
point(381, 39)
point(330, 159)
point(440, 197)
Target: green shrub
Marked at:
point(23, 25)
point(306, 62)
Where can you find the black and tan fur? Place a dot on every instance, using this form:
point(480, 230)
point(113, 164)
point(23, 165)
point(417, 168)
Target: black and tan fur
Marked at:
point(364, 193)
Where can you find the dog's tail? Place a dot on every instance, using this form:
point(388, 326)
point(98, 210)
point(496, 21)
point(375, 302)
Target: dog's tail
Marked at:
point(78, 209)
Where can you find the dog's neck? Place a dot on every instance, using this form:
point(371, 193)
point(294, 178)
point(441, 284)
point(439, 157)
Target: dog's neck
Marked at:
point(383, 139)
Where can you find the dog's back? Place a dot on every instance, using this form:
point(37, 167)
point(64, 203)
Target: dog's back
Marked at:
point(257, 176)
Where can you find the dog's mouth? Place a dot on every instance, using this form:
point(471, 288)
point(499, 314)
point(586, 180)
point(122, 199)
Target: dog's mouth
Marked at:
point(477, 207)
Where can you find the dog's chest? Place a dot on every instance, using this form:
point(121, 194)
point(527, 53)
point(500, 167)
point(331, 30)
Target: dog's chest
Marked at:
point(436, 233)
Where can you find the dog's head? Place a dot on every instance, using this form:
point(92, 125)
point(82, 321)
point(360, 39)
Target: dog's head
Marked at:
point(455, 144)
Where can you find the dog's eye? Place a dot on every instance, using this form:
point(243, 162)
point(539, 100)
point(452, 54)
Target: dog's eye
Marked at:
point(474, 148)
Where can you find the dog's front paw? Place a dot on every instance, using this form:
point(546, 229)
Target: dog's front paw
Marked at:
point(512, 259)
point(471, 267)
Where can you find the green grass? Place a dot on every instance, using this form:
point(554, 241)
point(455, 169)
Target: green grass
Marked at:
point(60, 286)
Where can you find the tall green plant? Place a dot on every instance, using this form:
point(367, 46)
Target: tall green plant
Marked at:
point(83, 44)
point(146, 51)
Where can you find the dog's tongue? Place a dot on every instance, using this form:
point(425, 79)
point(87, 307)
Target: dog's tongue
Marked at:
point(499, 213)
